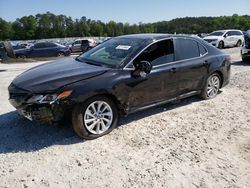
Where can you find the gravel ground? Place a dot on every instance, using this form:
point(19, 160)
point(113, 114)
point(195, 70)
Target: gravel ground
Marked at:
point(189, 143)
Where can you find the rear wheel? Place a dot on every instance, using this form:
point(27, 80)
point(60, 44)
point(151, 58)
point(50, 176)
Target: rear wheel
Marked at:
point(239, 43)
point(94, 118)
point(212, 86)
point(60, 54)
point(221, 45)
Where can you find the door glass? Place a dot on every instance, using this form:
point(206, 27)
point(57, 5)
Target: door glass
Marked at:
point(159, 53)
point(186, 49)
point(50, 45)
point(39, 45)
point(202, 49)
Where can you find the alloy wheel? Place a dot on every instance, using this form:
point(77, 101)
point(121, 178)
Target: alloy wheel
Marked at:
point(213, 86)
point(98, 117)
point(60, 54)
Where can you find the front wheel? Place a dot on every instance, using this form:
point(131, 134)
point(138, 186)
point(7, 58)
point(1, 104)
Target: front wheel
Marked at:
point(21, 57)
point(212, 86)
point(95, 117)
point(221, 45)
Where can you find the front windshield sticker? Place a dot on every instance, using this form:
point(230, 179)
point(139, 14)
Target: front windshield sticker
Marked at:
point(123, 47)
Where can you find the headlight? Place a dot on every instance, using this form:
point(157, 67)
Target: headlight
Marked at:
point(49, 98)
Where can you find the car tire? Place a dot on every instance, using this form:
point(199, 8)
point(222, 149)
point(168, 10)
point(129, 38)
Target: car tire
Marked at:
point(21, 56)
point(239, 43)
point(94, 118)
point(212, 86)
point(60, 54)
point(221, 45)
point(244, 59)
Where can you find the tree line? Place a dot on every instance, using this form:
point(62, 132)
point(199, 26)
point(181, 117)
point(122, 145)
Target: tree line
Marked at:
point(49, 25)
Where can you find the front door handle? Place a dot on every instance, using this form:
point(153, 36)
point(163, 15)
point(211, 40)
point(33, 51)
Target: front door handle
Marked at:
point(173, 70)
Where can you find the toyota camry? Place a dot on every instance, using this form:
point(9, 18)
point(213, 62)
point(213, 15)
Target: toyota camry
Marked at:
point(120, 76)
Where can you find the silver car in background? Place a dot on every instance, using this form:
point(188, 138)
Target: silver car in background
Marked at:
point(82, 45)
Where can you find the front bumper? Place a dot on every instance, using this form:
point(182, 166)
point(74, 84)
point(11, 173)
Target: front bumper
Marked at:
point(42, 112)
point(212, 42)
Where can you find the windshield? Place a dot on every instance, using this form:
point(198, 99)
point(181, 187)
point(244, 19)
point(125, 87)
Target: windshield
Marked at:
point(216, 33)
point(112, 52)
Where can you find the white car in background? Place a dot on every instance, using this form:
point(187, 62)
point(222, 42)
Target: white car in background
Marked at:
point(225, 38)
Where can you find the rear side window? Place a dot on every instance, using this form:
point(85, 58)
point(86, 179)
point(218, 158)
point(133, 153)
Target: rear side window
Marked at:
point(85, 42)
point(237, 33)
point(48, 45)
point(159, 53)
point(202, 49)
point(186, 49)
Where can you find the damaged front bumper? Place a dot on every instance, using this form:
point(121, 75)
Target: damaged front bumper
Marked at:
point(45, 108)
point(43, 113)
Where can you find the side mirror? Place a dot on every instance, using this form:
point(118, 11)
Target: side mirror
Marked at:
point(142, 68)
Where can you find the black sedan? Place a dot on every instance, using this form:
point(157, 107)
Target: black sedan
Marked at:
point(245, 49)
point(43, 49)
point(120, 76)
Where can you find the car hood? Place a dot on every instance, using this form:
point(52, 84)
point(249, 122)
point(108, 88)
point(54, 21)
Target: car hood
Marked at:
point(51, 76)
point(212, 37)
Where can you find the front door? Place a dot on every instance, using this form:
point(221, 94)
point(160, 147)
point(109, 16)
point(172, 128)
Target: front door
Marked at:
point(152, 88)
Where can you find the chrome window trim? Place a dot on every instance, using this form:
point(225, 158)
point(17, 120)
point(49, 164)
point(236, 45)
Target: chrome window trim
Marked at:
point(155, 41)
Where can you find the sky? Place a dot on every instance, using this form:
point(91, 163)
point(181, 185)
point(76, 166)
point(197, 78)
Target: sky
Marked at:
point(131, 11)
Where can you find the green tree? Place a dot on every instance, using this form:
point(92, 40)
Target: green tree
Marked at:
point(5, 30)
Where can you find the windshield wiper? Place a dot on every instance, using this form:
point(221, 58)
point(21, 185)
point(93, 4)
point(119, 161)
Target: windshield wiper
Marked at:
point(91, 63)
point(78, 59)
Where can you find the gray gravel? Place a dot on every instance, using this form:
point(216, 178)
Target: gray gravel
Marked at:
point(189, 143)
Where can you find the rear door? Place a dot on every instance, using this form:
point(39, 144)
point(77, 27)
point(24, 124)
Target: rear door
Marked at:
point(190, 65)
point(51, 49)
point(38, 50)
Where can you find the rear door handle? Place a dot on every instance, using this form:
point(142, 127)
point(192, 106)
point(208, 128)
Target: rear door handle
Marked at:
point(173, 70)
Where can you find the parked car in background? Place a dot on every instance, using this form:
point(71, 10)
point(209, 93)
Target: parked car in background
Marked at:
point(43, 49)
point(225, 38)
point(245, 50)
point(21, 46)
point(120, 76)
point(82, 45)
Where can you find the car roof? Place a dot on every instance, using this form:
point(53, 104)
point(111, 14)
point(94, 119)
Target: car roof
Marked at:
point(225, 30)
point(155, 36)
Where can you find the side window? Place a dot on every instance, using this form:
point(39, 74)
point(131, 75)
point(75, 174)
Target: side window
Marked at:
point(49, 45)
point(39, 45)
point(202, 49)
point(159, 53)
point(186, 49)
point(77, 42)
point(238, 33)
